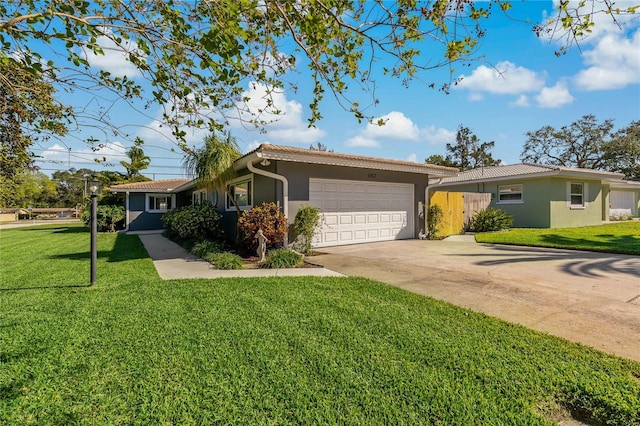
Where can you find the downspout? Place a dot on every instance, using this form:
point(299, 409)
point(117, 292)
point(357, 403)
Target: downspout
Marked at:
point(126, 210)
point(285, 191)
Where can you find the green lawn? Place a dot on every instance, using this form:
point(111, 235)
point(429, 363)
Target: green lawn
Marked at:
point(622, 237)
point(134, 349)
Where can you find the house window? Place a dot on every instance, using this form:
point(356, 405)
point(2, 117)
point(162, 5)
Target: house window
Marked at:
point(199, 197)
point(510, 194)
point(576, 194)
point(242, 193)
point(159, 203)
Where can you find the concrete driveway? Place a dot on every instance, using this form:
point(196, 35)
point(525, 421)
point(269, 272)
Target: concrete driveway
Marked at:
point(590, 298)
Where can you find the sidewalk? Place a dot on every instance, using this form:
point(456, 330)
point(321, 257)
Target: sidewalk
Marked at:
point(173, 262)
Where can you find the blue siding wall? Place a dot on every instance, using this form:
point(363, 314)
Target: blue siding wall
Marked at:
point(139, 220)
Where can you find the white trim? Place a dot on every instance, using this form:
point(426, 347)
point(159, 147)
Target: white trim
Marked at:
point(231, 208)
point(585, 188)
point(202, 196)
point(521, 192)
point(148, 196)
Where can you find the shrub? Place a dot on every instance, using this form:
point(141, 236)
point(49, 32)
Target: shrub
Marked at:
point(434, 221)
point(201, 222)
point(225, 260)
point(203, 248)
point(489, 220)
point(267, 217)
point(109, 218)
point(305, 226)
point(282, 258)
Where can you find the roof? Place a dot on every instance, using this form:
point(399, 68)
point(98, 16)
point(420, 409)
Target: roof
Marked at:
point(155, 185)
point(625, 184)
point(302, 155)
point(525, 171)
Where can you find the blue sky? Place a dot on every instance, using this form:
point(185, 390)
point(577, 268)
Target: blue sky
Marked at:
point(535, 88)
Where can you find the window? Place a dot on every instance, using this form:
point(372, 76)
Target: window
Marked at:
point(242, 193)
point(159, 203)
point(199, 197)
point(576, 194)
point(510, 194)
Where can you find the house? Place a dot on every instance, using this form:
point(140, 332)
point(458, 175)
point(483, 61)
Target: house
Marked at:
point(624, 199)
point(363, 199)
point(545, 196)
point(12, 215)
point(145, 202)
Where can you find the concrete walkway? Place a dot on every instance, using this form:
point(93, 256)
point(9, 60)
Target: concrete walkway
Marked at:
point(174, 262)
point(585, 297)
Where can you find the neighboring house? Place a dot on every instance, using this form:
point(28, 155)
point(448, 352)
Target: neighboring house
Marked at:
point(624, 199)
point(11, 215)
point(145, 202)
point(541, 196)
point(363, 199)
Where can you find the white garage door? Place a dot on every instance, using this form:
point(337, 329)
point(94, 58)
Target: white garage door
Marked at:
point(360, 212)
point(622, 203)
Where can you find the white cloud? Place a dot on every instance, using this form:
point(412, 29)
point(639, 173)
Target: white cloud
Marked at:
point(362, 141)
point(505, 79)
point(253, 145)
point(554, 97)
point(109, 154)
point(282, 118)
point(114, 59)
point(435, 135)
point(604, 23)
point(613, 63)
point(522, 101)
point(396, 126)
point(412, 157)
point(158, 131)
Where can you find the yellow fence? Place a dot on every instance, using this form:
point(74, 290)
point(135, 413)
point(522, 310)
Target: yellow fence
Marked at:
point(452, 205)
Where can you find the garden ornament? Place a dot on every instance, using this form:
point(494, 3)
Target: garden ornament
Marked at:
point(262, 244)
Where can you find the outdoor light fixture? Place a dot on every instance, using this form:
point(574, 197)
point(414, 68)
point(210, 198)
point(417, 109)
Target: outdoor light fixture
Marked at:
point(265, 162)
point(94, 189)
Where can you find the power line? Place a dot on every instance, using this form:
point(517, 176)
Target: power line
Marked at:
point(79, 153)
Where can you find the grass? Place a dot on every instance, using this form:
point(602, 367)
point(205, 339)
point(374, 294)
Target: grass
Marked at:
point(134, 349)
point(623, 237)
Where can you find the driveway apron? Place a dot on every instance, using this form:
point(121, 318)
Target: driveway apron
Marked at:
point(585, 297)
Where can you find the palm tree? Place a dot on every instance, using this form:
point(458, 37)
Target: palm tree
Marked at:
point(212, 165)
point(139, 161)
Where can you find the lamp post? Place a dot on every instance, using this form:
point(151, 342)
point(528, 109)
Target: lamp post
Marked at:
point(93, 190)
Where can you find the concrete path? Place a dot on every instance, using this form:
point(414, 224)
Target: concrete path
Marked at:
point(590, 298)
point(174, 262)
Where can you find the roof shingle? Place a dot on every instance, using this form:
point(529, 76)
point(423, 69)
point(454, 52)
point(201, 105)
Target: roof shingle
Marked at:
point(154, 185)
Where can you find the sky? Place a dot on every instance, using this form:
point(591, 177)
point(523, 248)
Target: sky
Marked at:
point(518, 84)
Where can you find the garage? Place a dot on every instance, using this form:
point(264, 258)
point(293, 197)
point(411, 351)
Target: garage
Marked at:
point(622, 203)
point(362, 211)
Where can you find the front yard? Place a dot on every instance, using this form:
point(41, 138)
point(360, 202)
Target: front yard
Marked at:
point(134, 349)
point(622, 237)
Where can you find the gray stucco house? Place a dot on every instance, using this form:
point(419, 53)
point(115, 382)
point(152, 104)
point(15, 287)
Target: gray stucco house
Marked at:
point(544, 196)
point(363, 199)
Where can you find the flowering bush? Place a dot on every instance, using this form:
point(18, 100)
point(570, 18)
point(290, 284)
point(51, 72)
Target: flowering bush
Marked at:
point(267, 217)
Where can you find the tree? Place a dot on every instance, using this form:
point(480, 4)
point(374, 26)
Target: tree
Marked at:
point(319, 146)
point(28, 112)
point(138, 160)
point(622, 153)
point(70, 186)
point(33, 189)
point(439, 160)
point(197, 57)
point(212, 164)
point(468, 152)
point(585, 143)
